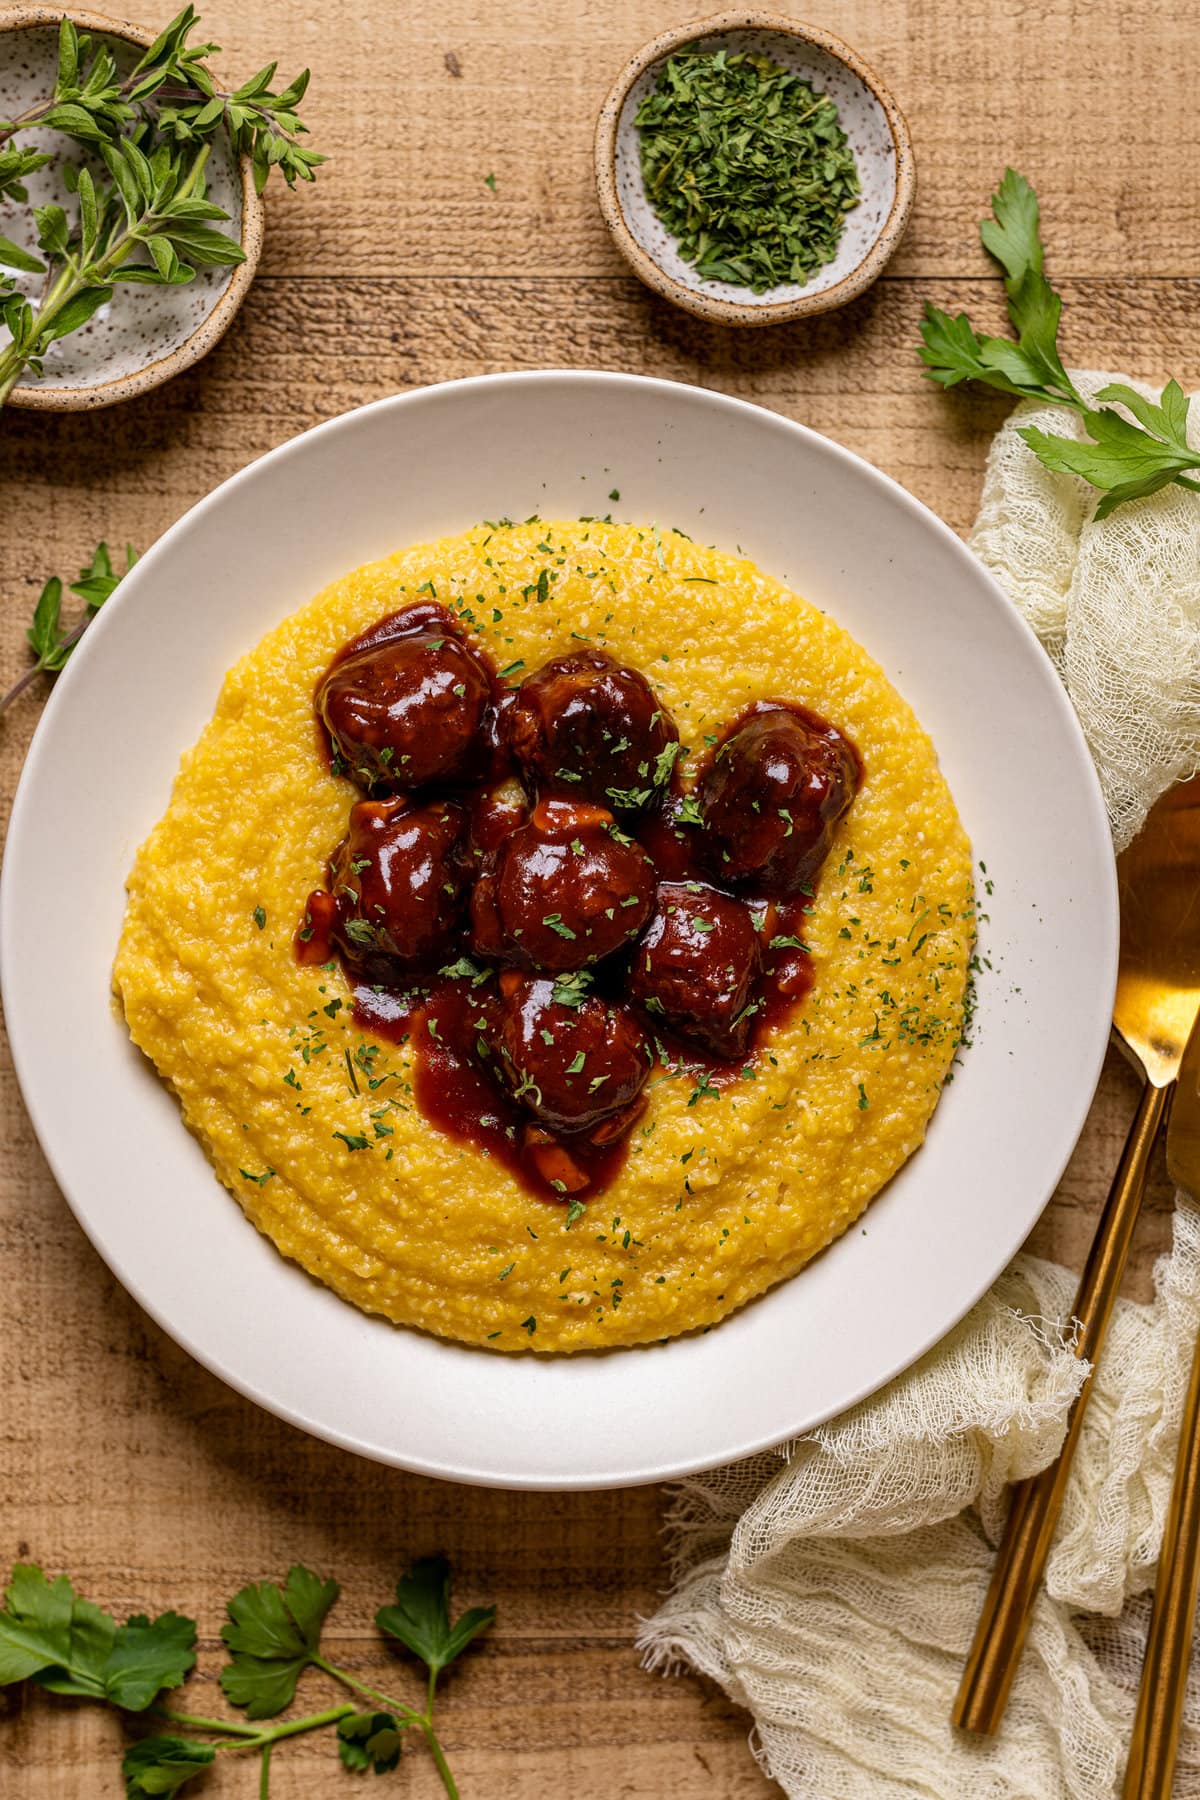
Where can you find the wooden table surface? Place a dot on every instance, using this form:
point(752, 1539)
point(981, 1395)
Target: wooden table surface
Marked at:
point(121, 1461)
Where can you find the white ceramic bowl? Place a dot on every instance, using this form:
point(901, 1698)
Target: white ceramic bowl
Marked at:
point(873, 123)
point(436, 460)
point(144, 335)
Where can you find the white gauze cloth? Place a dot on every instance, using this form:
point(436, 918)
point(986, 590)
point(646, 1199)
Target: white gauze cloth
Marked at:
point(832, 1586)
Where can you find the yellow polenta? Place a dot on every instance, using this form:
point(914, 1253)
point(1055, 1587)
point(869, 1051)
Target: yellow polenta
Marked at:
point(720, 1197)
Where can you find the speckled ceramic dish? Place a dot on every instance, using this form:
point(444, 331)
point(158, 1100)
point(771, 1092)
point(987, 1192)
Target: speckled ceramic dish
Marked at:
point(145, 334)
point(869, 116)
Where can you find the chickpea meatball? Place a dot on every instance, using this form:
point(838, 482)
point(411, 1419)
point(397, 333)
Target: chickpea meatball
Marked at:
point(573, 1068)
point(697, 965)
point(771, 800)
point(588, 726)
point(409, 706)
point(399, 880)
point(562, 891)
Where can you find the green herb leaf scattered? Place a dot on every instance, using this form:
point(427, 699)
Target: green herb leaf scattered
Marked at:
point(50, 642)
point(572, 989)
point(51, 1636)
point(420, 1619)
point(67, 1645)
point(273, 1635)
point(161, 1765)
point(369, 1741)
point(1126, 457)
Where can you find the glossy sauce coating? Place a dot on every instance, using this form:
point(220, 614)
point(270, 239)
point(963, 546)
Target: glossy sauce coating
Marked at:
point(399, 878)
point(406, 705)
point(573, 1067)
point(587, 726)
point(697, 965)
point(771, 799)
point(564, 890)
point(538, 956)
point(447, 1025)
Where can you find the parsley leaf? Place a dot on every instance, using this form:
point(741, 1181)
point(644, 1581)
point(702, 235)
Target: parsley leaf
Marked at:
point(67, 1645)
point(420, 1618)
point(1126, 457)
point(572, 989)
point(51, 1636)
point(147, 1656)
point(369, 1741)
point(161, 1765)
point(273, 1636)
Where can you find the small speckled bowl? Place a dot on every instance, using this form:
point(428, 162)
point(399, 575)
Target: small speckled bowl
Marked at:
point(872, 121)
point(145, 334)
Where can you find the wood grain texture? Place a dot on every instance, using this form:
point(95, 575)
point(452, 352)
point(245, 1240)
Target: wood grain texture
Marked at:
point(122, 1461)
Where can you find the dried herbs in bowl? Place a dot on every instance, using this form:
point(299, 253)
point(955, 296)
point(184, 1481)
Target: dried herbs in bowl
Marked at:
point(747, 166)
point(752, 169)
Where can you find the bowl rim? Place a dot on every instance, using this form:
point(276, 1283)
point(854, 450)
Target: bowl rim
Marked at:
point(216, 323)
point(736, 312)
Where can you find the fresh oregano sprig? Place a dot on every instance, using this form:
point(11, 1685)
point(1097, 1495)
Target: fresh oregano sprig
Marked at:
point(141, 213)
point(50, 1636)
point(173, 87)
point(1127, 457)
point(51, 641)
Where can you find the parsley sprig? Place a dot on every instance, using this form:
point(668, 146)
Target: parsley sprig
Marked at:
point(140, 210)
point(52, 642)
point(1126, 457)
point(50, 1636)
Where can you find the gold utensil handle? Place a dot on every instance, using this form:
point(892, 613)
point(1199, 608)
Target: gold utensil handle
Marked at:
point(1151, 1766)
point(999, 1636)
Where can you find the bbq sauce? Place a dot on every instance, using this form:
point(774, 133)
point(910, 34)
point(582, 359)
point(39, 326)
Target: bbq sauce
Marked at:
point(449, 1018)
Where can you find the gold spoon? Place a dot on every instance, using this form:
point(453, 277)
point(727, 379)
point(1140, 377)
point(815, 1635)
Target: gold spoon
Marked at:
point(1158, 997)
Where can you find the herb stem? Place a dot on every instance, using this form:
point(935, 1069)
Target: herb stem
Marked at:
point(40, 108)
point(443, 1767)
point(264, 1778)
point(410, 1714)
point(311, 1722)
point(196, 1723)
point(404, 1714)
point(18, 687)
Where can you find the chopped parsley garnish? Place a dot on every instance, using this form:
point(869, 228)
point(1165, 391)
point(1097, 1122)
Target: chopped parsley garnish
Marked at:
point(572, 989)
point(360, 931)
